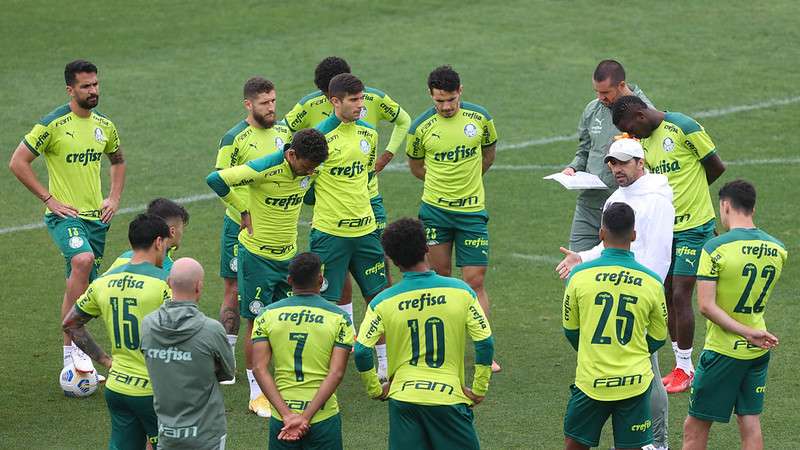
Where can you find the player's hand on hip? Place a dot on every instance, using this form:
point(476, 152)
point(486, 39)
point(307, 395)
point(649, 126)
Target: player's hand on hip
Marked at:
point(247, 223)
point(108, 209)
point(568, 171)
point(762, 338)
point(571, 259)
point(476, 399)
point(383, 160)
point(60, 209)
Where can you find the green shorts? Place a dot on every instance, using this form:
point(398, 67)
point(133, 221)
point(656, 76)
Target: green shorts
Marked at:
point(380, 213)
point(229, 248)
point(421, 427)
point(686, 248)
point(74, 235)
point(133, 421)
point(630, 419)
point(722, 384)
point(362, 256)
point(323, 435)
point(468, 230)
point(261, 282)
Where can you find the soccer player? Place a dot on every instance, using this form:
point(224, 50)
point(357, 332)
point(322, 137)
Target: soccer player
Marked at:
point(122, 297)
point(308, 339)
point(650, 197)
point(595, 133)
point(736, 277)
point(450, 146)
point(614, 374)
point(425, 319)
point(73, 139)
point(176, 217)
point(186, 354)
point(256, 136)
point(269, 208)
point(678, 147)
point(378, 107)
point(343, 227)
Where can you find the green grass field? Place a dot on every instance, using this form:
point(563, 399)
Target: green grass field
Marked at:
point(171, 78)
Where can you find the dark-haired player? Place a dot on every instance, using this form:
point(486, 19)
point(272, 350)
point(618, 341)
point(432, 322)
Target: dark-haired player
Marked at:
point(308, 341)
point(176, 217)
point(614, 315)
point(269, 207)
point(450, 147)
point(73, 138)
point(256, 136)
point(678, 147)
point(425, 318)
point(737, 274)
point(123, 297)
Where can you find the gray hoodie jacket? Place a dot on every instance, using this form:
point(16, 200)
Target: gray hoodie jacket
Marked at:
point(187, 354)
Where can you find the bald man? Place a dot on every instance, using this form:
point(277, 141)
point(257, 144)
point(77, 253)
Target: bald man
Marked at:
point(187, 353)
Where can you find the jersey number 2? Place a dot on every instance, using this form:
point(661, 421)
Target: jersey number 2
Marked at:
point(434, 331)
point(625, 318)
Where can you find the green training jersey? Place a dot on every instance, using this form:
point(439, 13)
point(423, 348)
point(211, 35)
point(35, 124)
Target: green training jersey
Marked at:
point(126, 256)
point(426, 318)
point(122, 297)
point(342, 205)
point(73, 147)
point(614, 310)
point(746, 263)
point(315, 107)
point(244, 143)
point(302, 331)
point(273, 195)
point(452, 149)
point(677, 149)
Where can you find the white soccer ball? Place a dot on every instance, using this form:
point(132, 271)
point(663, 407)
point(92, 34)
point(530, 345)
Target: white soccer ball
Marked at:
point(77, 384)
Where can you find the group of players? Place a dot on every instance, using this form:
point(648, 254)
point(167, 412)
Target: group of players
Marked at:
point(637, 252)
point(324, 153)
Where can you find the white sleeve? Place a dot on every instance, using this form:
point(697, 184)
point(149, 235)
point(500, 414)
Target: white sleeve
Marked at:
point(653, 245)
point(592, 253)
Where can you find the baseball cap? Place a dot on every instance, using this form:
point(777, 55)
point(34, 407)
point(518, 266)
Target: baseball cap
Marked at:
point(624, 150)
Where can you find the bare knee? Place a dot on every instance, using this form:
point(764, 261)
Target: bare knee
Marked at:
point(82, 262)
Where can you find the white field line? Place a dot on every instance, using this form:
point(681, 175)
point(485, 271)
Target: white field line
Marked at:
point(698, 115)
point(525, 167)
point(531, 143)
point(538, 258)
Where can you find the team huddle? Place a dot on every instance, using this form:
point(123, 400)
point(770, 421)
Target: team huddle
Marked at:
point(636, 252)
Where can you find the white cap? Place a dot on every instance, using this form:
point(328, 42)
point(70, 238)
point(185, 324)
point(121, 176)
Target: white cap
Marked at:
point(624, 150)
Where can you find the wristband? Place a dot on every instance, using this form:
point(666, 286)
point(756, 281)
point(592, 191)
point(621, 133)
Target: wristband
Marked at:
point(48, 198)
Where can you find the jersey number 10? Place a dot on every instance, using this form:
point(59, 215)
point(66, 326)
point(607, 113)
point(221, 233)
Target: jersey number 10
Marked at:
point(434, 342)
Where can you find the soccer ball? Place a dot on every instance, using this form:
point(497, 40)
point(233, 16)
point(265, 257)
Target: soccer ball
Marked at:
point(77, 384)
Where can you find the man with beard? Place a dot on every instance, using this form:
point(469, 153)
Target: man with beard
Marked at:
point(256, 136)
point(595, 134)
point(73, 139)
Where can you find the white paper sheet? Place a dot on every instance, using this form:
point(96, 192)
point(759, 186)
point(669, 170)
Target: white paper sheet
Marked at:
point(581, 180)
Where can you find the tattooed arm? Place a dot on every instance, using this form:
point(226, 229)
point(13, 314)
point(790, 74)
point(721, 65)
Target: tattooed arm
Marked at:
point(75, 326)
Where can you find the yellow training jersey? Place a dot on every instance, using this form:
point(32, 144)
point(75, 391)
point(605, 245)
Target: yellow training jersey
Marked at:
point(342, 198)
point(122, 297)
point(302, 331)
point(426, 318)
point(614, 311)
point(453, 152)
point(73, 147)
point(315, 108)
point(746, 263)
point(273, 195)
point(677, 149)
point(244, 143)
